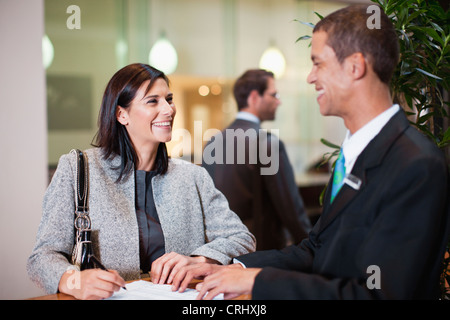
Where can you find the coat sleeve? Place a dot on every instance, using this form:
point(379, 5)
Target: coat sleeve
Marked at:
point(55, 236)
point(226, 235)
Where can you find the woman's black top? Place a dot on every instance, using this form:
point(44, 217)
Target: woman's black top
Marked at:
point(151, 238)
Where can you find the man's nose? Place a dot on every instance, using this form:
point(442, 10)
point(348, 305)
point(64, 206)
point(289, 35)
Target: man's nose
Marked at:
point(311, 77)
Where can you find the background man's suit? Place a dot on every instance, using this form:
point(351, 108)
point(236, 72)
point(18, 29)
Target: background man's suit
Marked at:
point(266, 203)
point(398, 220)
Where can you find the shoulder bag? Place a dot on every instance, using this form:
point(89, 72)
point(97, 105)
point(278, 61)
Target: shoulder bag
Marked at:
point(82, 254)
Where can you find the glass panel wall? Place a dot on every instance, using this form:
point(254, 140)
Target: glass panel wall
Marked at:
point(215, 41)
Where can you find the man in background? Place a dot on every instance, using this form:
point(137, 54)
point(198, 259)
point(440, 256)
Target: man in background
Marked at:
point(252, 169)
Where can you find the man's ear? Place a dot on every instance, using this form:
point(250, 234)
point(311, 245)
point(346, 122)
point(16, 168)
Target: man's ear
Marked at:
point(122, 115)
point(357, 65)
point(252, 98)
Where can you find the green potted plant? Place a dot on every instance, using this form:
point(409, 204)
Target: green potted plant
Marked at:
point(420, 83)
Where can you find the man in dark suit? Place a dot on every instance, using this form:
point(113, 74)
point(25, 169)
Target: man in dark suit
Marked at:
point(252, 169)
point(383, 234)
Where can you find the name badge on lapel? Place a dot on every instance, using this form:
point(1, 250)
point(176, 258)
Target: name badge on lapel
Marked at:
point(353, 181)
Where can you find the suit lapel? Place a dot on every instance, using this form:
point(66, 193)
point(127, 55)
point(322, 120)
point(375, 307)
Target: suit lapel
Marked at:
point(371, 157)
point(342, 199)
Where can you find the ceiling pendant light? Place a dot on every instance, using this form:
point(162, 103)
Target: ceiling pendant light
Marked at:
point(273, 60)
point(163, 55)
point(48, 52)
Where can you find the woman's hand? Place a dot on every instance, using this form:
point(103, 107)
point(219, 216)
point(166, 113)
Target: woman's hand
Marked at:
point(166, 267)
point(91, 284)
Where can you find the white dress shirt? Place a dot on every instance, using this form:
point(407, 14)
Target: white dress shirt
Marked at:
point(355, 143)
point(243, 115)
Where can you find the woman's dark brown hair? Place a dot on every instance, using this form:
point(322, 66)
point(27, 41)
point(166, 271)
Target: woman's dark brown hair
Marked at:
point(112, 136)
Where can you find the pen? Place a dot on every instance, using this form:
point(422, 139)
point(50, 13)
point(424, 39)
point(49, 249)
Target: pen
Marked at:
point(101, 266)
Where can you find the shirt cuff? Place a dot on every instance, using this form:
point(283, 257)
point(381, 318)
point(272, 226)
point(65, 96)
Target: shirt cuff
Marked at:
point(237, 261)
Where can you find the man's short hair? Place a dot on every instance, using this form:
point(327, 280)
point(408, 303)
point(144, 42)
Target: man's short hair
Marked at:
point(255, 79)
point(348, 32)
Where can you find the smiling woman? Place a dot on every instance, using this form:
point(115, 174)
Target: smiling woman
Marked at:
point(148, 120)
point(134, 97)
point(149, 213)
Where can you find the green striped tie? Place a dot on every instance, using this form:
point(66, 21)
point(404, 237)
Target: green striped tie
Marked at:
point(339, 175)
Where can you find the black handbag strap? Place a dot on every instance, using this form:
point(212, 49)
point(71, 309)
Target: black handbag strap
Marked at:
point(82, 220)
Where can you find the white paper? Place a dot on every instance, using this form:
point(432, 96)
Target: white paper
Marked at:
point(146, 290)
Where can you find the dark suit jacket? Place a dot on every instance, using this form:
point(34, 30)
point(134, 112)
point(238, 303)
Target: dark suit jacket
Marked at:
point(398, 220)
point(267, 204)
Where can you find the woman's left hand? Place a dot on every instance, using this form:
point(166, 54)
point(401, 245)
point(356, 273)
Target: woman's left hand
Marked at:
point(165, 268)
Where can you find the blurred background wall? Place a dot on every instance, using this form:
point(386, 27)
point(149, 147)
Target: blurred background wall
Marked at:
point(23, 141)
point(215, 41)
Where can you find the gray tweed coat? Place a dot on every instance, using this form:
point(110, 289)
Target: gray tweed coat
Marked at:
point(194, 215)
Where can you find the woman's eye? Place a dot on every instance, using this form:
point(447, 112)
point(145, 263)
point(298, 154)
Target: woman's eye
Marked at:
point(152, 101)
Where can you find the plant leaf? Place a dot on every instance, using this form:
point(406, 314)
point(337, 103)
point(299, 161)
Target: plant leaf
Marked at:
point(428, 74)
point(329, 144)
point(303, 38)
point(309, 24)
point(425, 118)
point(319, 15)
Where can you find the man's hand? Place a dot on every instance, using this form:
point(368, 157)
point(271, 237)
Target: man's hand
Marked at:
point(232, 280)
